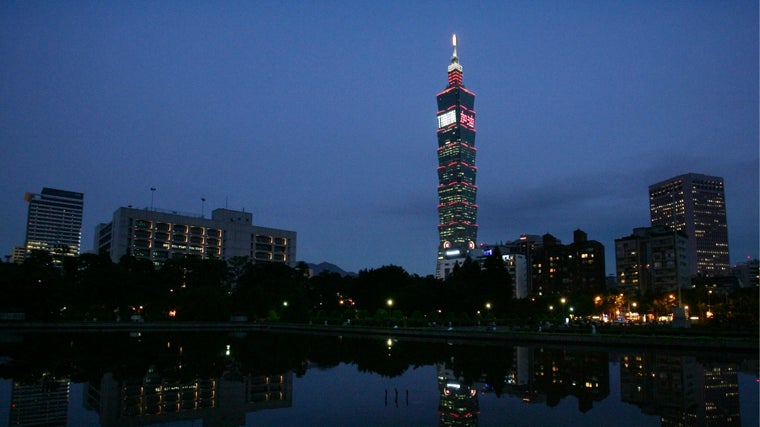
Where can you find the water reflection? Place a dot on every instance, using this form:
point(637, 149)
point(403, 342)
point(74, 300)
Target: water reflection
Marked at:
point(220, 379)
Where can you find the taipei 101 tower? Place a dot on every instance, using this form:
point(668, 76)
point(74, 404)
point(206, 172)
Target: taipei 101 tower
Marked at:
point(457, 211)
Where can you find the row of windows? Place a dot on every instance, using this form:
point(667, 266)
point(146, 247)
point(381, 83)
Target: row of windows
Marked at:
point(456, 152)
point(174, 251)
point(177, 228)
point(269, 248)
point(269, 240)
point(267, 256)
point(456, 193)
point(178, 238)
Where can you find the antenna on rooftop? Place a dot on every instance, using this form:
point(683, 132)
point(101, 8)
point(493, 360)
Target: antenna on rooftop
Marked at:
point(203, 206)
point(152, 192)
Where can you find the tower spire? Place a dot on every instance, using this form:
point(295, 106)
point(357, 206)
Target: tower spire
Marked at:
point(455, 68)
point(454, 57)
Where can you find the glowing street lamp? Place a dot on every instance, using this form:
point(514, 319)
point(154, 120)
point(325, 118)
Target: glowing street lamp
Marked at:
point(389, 302)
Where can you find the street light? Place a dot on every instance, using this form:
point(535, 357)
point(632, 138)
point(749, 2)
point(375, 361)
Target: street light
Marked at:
point(389, 302)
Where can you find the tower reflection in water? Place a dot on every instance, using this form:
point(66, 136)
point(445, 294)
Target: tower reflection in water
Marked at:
point(458, 399)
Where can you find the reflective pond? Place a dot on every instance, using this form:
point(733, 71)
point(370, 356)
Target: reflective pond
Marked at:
point(273, 379)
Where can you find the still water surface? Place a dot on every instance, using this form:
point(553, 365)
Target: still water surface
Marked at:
point(255, 379)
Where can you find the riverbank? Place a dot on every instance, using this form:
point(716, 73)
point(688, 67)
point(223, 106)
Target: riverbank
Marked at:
point(612, 337)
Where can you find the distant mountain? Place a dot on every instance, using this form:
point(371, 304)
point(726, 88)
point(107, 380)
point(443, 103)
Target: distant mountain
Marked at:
point(326, 266)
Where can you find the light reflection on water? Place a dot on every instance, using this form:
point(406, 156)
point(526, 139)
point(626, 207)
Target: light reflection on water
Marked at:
point(224, 380)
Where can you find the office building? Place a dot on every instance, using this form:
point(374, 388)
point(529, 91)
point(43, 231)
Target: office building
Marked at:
point(695, 204)
point(555, 268)
point(652, 259)
point(518, 271)
point(527, 245)
point(457, 211)
point(748, 273)
point(54, 222)
point(19, 254)
point(159, 235)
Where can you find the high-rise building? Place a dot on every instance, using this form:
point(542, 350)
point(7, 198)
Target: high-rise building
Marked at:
point(54, 222)
point(695, 204)
point(652, 259)
point(457, 211)
point(563, 269)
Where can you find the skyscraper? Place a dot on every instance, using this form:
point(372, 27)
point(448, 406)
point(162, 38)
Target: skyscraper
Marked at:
point(695, 204)
point(54, 222)
point(457, 211)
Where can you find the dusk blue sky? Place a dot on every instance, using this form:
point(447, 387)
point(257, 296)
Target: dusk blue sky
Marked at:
point(319, 116)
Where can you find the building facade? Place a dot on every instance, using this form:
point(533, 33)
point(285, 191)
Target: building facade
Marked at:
point(518, 270)
point(54, 222)
point(695, 204)
point(748, 273)
point(19, 254)
point(160, 235)
point(563, 269)
point(457, 210)
point(652, 259)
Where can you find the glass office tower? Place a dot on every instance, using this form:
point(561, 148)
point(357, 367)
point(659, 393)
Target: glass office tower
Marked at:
point(457, 211)
point(695, 204)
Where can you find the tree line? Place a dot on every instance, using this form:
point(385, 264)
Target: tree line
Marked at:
point(91, 287)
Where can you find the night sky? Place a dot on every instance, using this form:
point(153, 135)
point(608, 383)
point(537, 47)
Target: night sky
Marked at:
point(319, 117)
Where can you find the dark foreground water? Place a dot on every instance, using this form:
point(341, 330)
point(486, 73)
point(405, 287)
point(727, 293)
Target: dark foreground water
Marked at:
point(268, 379)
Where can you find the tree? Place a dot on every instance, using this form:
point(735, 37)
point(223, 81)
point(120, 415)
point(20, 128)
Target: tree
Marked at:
point(496, 283)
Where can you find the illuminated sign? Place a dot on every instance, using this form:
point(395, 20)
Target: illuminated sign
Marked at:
point(447, 118)
point(468, 120)
point(452, 252)
point(488, 252)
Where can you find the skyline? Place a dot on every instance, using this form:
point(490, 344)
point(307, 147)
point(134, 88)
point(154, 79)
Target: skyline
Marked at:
point(321, 118)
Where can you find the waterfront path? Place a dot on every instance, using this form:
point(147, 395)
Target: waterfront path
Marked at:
point(613, 337)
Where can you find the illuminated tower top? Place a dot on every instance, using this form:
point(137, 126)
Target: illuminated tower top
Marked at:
point(455, 68)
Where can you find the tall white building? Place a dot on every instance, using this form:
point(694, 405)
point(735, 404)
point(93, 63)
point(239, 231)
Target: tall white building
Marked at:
point(54, 222)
